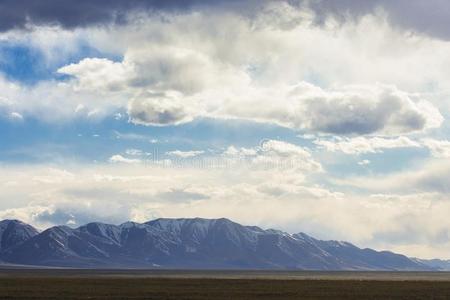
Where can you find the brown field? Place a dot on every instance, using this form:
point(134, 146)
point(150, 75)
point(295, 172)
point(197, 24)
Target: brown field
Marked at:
point(71, 284)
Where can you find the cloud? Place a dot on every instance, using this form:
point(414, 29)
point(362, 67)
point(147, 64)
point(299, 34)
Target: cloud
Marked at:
point(16, 116)
point(363, 110)
point(19, 14)
point(364, 162)
point(242, 151)
point(120, 192)
point(360, 145)
point(117, 158)
point(282, 149)
point(173, 70)
point(53, 101)
point(181, 195)
point(134, 152)
point(159, 111)
point(160, 68)
point(438, 148)
point(429, 18)
point(184, 154)
point(275, 154)
point(357, 109)
point(98, 73)
point(130, 136)
point(282, 154)
point(160, 82)
point(429, 177)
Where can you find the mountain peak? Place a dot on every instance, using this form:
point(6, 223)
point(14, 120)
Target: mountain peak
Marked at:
point(13, 221)
point(183, 223)
point(14, 232)
point(191, 220)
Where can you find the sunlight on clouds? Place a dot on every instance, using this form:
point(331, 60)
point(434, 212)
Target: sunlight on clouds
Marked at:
point(118, 193)
point(261, 68)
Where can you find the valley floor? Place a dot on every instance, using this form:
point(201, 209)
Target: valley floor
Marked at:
point(180, 285)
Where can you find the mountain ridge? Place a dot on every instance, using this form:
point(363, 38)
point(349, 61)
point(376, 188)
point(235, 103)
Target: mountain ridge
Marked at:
point(191, 243)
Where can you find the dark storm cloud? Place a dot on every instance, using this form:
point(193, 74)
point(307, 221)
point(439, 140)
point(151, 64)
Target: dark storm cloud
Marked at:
point(430, 17)
point(81, 13)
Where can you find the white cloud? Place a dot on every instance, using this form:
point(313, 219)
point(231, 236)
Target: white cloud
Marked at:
point(16, 116)
point(117, 158)
point(286, 154)
point(242, 151)
point(52, 101)
point(134, 152)
point(184, 154)
point(274, 154)
point(430, 176)
point(119, 192)
point(360, 145)
point(307, 136)
point(363, 109)
point(95, 74)
point(438, 148)
point(283, 149)
point(135, 137)
point(364, 162)
point(189, 55)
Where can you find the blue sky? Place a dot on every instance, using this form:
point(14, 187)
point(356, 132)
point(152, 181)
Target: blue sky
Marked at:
point(291, 115)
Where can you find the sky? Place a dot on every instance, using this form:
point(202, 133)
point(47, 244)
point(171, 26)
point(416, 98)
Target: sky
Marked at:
point(323, 117)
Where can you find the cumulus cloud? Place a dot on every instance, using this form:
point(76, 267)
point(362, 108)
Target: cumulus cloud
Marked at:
point(360, 145)
point(52, 101)
point(159, 111)
point(163, 80)
point(345, 110)
point(362, 110)
point(98, 73)
point(157, 80)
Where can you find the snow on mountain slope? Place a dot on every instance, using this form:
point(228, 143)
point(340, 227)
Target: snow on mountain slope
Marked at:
point(14, 232)
point(194, 243)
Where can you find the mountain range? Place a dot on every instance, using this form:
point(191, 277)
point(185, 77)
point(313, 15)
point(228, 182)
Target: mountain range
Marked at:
point(188, 244)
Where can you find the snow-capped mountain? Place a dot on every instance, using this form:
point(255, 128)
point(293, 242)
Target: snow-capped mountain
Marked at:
point(13, 233)
point(187, 243)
